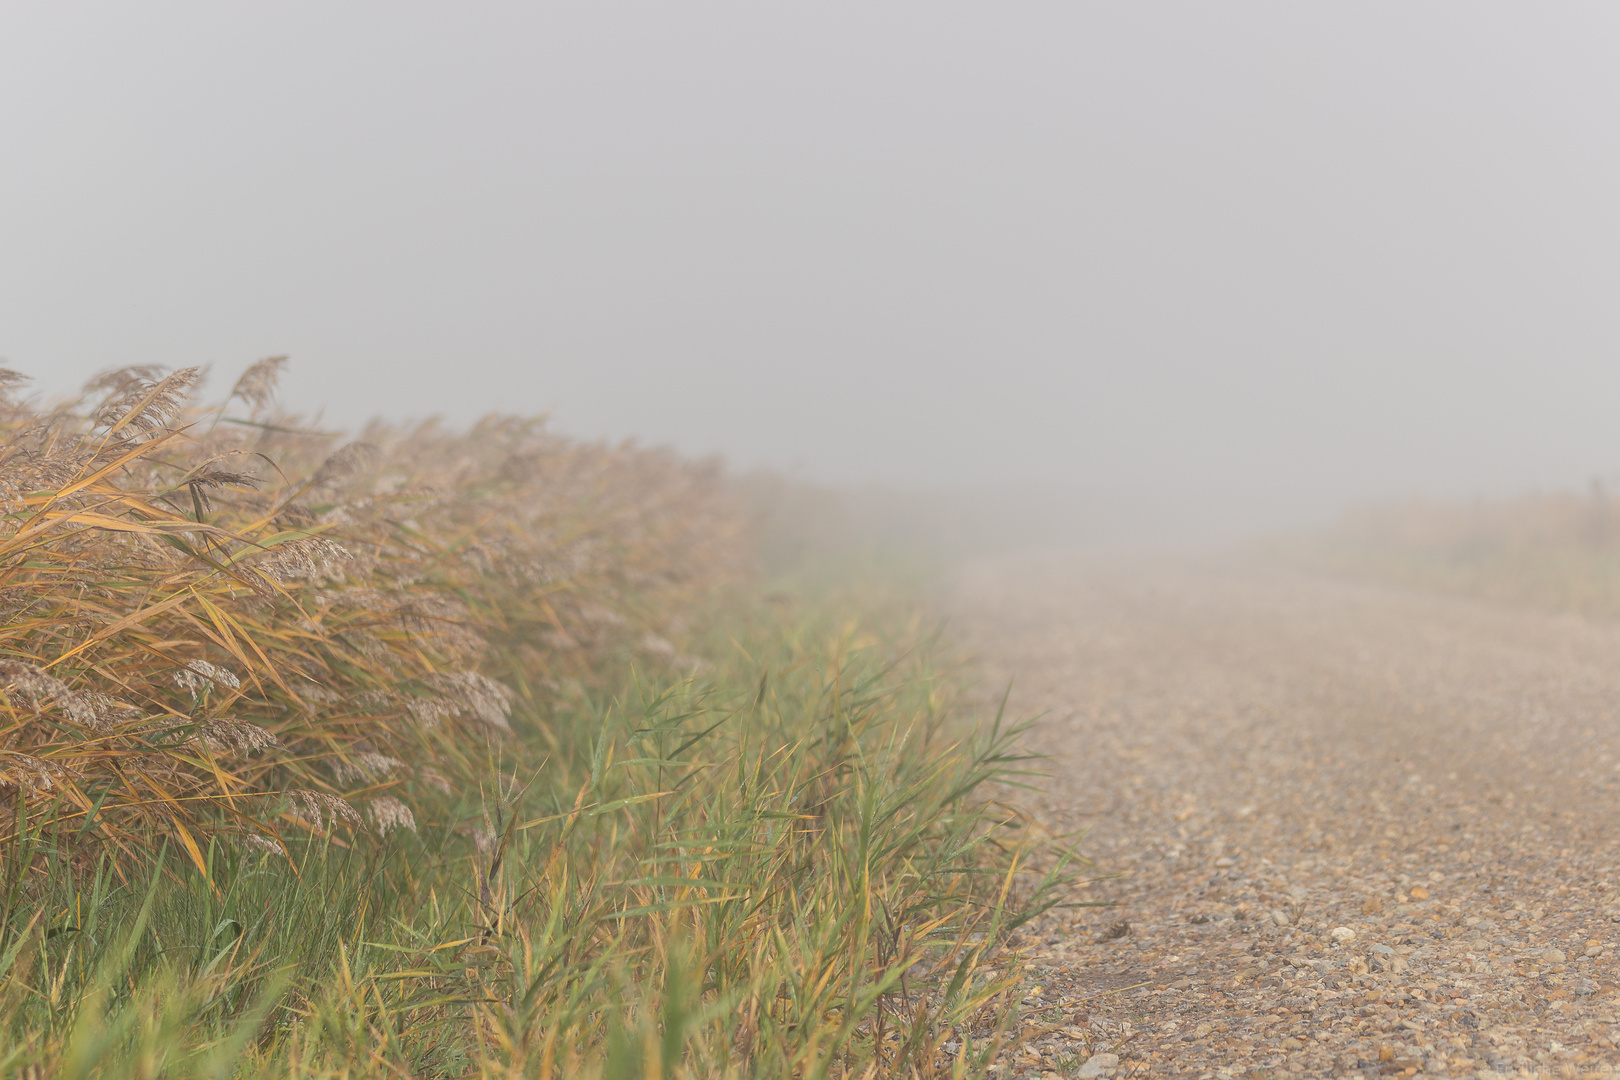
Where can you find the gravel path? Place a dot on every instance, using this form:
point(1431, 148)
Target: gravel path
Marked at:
point(1263, 758)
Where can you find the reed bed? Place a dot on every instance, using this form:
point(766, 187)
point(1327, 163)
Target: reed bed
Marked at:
point(230, 623)
point(440, 753)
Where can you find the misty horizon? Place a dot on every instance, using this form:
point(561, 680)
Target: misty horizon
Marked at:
point(1260, 257)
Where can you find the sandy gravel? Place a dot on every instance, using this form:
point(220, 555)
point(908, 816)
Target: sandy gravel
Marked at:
point(1262, 757)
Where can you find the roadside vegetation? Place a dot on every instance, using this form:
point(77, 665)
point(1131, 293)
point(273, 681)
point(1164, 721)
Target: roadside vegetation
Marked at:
point(469, 753)
point(1558, 551)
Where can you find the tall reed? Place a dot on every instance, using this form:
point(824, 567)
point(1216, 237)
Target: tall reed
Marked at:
point(453, 754)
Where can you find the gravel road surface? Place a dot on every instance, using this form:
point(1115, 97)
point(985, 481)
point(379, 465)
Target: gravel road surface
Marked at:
point(1351, 830)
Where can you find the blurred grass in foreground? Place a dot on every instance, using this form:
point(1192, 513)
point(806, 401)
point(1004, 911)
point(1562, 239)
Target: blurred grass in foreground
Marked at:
point(664, 819)
point(1558, 551)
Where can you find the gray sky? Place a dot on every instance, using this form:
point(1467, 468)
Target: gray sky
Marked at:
point(1311, 252)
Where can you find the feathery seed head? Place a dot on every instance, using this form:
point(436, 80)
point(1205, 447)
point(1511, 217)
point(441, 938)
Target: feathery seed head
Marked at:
point(206, 480)
point(388, 814)
point(27, 773)
point(117, 380)
point(483, 840)
point(430, 776)
point(317, 808)
point(304, 558)
point(234, 737)
point(142, 406)
point(346, 463)
point(258, 384)
point(198, 675)
point(26, 683)
point(10, 382)
point(260, 843)
point(465, 693)
point(365, 766)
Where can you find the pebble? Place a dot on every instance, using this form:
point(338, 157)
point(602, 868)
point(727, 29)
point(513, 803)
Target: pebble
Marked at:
point(1342, 934)
point(1553, 956)
point(1098, 1065)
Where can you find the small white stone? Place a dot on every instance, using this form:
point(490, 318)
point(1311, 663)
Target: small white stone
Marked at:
point(1342, 934)
point(1098, 1064)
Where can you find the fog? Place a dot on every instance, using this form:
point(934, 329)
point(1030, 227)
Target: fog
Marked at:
point(1257, 261)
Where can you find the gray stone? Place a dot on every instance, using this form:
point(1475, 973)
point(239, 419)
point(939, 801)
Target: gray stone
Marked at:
point(1099, 1065)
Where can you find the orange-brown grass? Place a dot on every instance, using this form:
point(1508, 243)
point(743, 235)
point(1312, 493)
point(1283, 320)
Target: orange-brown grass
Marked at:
point(219, 620)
